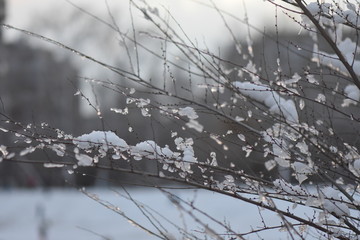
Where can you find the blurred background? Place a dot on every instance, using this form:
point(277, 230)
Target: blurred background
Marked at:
point(39, 83)
point(39, 80)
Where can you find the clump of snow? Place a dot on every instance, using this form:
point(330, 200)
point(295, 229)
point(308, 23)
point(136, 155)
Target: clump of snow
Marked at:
point(269, 165)
point(3, 151)
point(281, 155)
point(303, 147)
point(188, 112)
point(101, 139)
point(185, 145)
point(352, 93)
point(228, 184)
point(53, 165)
point(320, 98)
point(302, 170)
point(282, 141)
point(59, 149)
point(271, 99)
point(195, 125)
point(150, 150)
point(316, 8)
point(239, 119)
point(83, 159)
point(241, 137)
point(251, 69)
point(276, 137)
point(348, 49)
point(27, 151)
point(140, 103)
point(124, 111)
point(347, 16)
point(337, 14)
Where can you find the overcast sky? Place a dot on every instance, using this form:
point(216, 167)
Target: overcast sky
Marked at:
point(197, 20)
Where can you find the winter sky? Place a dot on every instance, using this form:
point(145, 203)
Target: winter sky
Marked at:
point(197, 20)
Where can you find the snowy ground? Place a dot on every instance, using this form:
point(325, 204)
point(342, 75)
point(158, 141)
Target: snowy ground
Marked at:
point(69, 214)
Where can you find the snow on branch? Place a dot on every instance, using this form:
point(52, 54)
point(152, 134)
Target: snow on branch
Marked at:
point(270, 98)
point(104, 141)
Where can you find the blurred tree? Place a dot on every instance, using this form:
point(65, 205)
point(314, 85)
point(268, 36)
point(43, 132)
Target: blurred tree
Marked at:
point(36, 87)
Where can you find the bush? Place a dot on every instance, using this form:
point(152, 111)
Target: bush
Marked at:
point(274, 127)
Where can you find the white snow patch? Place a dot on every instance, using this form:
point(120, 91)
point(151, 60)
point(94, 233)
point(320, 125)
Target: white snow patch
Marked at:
point(195, 125)
point(271, 99)
point(53, 165)
point(71, 221)
point(241, 137)
point(281, 155)
point(101, 139)
point(59, 149)
point(150, 150)
point(302, 170)
point(188, 112)
point(84, 160)
point(316, 8)
point(348, 49)
point(352, 93)
point(27, 151)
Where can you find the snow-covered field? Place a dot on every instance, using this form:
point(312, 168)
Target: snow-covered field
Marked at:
point(69, 214)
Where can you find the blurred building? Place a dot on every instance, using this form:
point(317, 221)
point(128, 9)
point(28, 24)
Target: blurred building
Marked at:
point(35, 87)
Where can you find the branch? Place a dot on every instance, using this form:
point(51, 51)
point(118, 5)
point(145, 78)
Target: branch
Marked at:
point(332, 44)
